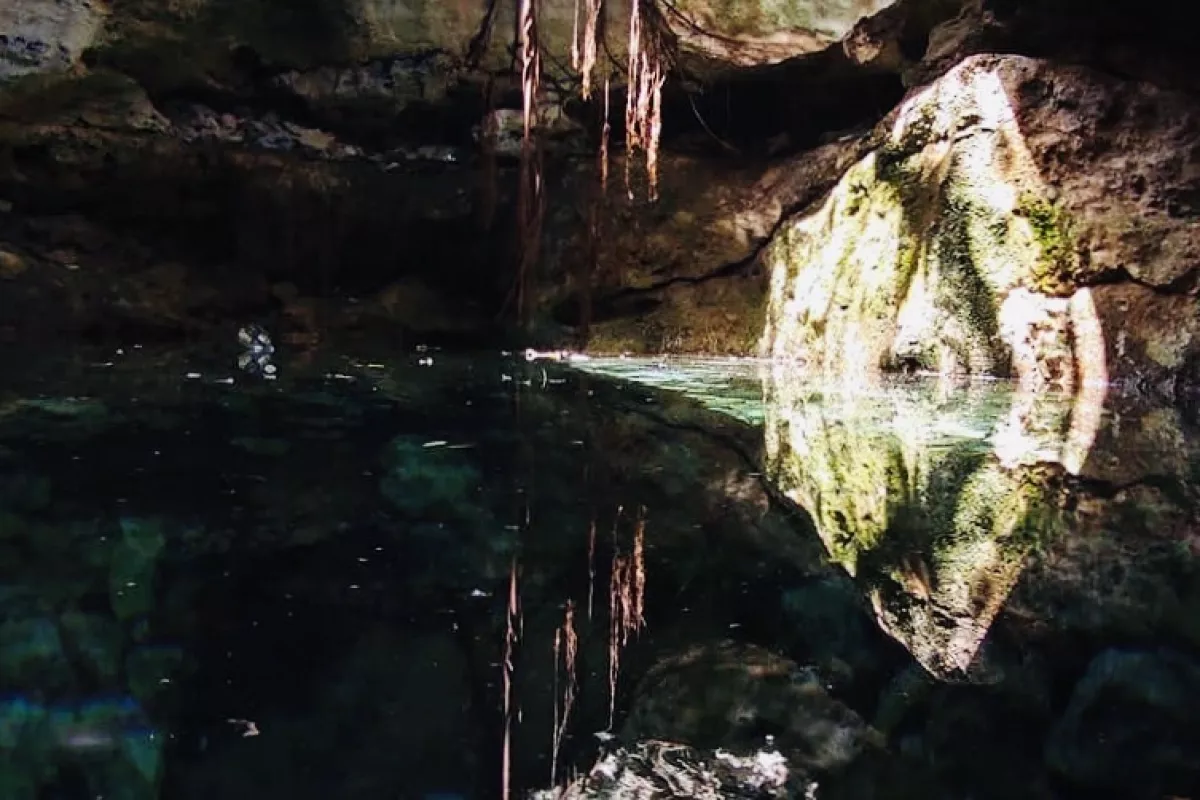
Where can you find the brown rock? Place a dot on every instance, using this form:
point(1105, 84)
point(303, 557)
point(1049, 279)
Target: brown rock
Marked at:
point(11, 265)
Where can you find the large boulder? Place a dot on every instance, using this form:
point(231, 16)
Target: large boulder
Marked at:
point(1015, 217)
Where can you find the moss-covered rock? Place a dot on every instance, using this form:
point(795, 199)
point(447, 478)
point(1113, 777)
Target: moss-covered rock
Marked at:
point(966, 240)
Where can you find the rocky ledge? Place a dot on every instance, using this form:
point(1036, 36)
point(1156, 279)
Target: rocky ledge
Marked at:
point(916, 185)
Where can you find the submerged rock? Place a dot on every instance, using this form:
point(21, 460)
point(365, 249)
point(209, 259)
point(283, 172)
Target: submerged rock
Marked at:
point(1130, 725)
point(730, 695)
point(652, 769)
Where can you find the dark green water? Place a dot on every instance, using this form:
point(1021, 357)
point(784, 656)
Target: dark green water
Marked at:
point(214, 585)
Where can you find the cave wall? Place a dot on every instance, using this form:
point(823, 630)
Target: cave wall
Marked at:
point(334, 153)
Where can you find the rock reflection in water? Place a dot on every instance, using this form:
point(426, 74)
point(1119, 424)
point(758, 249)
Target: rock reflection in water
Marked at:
point(911, 497)
point(950, 502)
point(1035, 554)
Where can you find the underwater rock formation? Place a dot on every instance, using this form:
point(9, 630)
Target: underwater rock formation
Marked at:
point(1128, 726)
point(724, 695)
point(654, 769)
point(1013, 218)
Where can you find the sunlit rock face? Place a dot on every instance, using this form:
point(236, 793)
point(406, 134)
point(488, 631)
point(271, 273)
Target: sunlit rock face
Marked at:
point(970, 238)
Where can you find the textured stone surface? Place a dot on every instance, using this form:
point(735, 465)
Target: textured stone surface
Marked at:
point(764, 32)
point(966, 240)
point(46, 35)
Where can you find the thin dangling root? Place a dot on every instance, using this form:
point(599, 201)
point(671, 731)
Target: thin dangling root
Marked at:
point(529, 190)
point(605, 133)
point(588, 48)
point(626, 603)
point(566, 649)
point(511, 636)
point(643, 105)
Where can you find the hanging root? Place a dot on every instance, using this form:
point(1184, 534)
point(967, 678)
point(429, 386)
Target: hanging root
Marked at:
point(626, 604)
point(531, 62)
point(530, 209)
point(588, 47)
point(643, 104)
point(566, 648)
point(605, 134)
point(511, 636)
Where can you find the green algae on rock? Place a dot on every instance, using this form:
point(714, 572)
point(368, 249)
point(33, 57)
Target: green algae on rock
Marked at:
point(916, 495)
point(969, 239)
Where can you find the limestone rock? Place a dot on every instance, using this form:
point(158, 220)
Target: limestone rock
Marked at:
point(764, 32)
point(100, 99)
point(680, 276)
point(969, 239)
point(319, 49)
point(46, 35)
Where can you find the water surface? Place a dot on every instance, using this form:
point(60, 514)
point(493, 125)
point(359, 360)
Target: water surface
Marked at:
point(218, 584)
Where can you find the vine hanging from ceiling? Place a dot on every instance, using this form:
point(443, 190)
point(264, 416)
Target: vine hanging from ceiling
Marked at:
point(649, 48)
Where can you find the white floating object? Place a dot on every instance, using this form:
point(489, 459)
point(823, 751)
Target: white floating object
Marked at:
point(247, 726)
point(436, 443)
point(193, 375)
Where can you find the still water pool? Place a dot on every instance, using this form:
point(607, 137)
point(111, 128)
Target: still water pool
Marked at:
point(437, 576)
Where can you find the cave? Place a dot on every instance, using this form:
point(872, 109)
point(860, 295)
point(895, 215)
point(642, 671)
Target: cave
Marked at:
point(869, 329)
